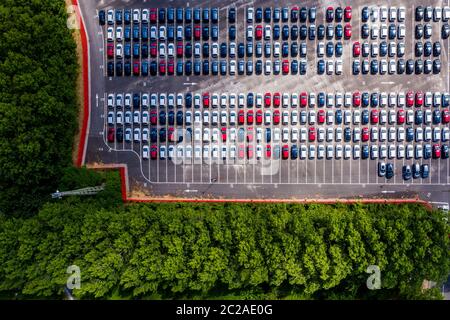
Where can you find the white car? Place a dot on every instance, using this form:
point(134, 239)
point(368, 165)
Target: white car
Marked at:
point(383, 134)
point(401, 151)
point(119, 33)
point(110, 16)
point(338, 152)
point(374, 152)
point(268, 67)
point(110, 34)
point(145, 152)
point(338, 67)
point(137, 135)
point(119, 117)
point(136, 15)
point(136, 117)
point(267, 32)
point(356, 152)
point(110, 101)
point(391, 151)
point(418, 151)
point(206, 135)
point(347, 151)
point(145, 134)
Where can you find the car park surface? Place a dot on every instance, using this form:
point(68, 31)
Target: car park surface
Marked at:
point(326, 159)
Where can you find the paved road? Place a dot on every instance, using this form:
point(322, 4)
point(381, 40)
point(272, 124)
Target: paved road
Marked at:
point(286, 179)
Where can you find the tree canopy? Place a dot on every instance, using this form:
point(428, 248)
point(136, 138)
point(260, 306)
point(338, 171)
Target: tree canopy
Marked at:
point(231, 250)
point(38, 103)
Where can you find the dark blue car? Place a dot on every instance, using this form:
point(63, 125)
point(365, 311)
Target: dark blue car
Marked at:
point(338, 116)
point(179, 15)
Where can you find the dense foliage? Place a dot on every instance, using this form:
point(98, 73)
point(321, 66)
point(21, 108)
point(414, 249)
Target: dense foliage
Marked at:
point(204, 251)
point(38, 71)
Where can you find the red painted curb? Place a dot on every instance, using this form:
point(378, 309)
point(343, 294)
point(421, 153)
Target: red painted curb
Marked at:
point(84, 43)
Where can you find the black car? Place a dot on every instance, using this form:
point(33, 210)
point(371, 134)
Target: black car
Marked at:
point(276, 14)
point(162, 135)
point(401, 66)
point(179, 14)
point(162, 15)
point(205, 50)
point(365, 31)
point(437, 49)
point(303, 15)
point(127, 16)
point(127, 68)
point(294, 49)
point(232, 32)
point(418, 66)
point(419, 31)
point(258, 14)
point(119, 134)
point(170, 15)
point(214, 15)
point(418, 49)
point(365, 14)
point(258, 67)
point(197, 15)
point(320, 32)
point(419, 13)
point(407, 172)
point(312, 14)
point(437, 66)
point(232, 15)
point(102, 17)
point(312, 32)
point(188, 33)
point(444, 151)
point(205, 33)
point(303, 32)
point(410, 66)
point(321, 67)
point(389, 170)
point(188, 100)
point(445, 32)
point(294, 32)
point(285, 32)
point(267, 14)
point(427, 49)
point(188, 68)
point(153, 135)
point(383, 48)
point(118, 16)
point(223, 50)
point(205, 15)
point(338, 14)
point(110, 69)
point(119, 68)
point(188, 15)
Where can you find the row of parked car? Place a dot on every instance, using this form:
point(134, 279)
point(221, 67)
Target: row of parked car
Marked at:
point(277, 151)
point(277, 99)
point(198, 50)
point(391, 66)
point(285, 117)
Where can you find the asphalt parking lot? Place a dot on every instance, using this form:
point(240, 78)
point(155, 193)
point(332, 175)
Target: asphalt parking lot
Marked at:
point(244, 169)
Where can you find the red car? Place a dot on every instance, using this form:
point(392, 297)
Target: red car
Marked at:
point(276, 117)
point(356, 49)
point(136, 68)
point(171, 134)
point(250, 135)
point(268, 151)
point(267, 99)
point(153, 49)
point(153, 15)
point(276, 99)
point(154, 152)
point(445, 116)
point(410, 99)
point(348, 31)
point(241, 151)
point(259, 117)
point(321, 116)
point(170, 67)
point(285, 152)
point(303, 99)
point(180, 49)
point(162, 67)
point(224, 134)
point(153, 117)
point(436, 151)
point(197, 32)
point(356, 99)
point(111, 134)
point(374, 117)
point(348, 13)
point(250, 117)
point(250, 152)
point(241, 117)
point(206, 100)
point(285, 66)
point(401, 116)
point(365, 135)
point(419, 98)
point(258, 32)
point(312, 134)
point(110, 50)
